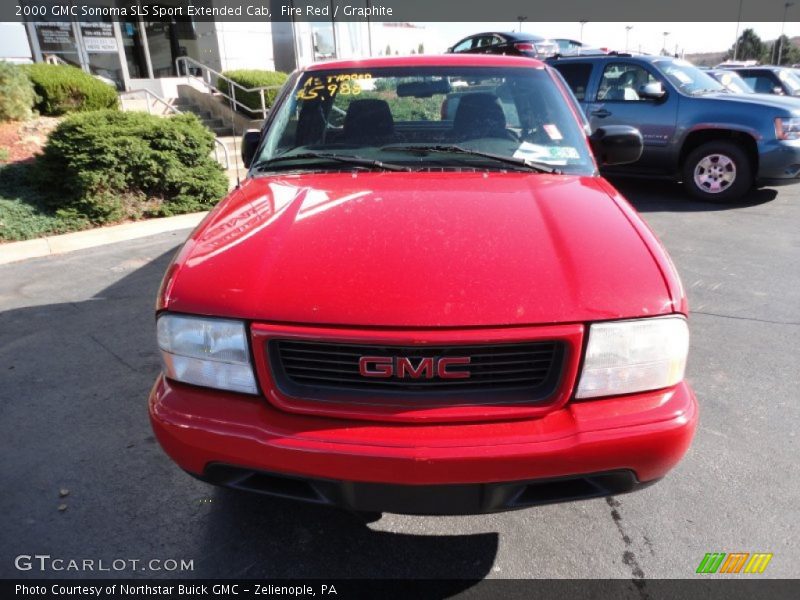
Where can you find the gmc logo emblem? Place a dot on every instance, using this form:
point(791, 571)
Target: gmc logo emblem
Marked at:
point(402, 367)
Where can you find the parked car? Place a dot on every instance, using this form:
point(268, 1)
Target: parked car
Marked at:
point(399, 312)
point(568, 47)
point(511, 43)
point(770, 80)
point(719, 144)
point(730, 80)
point(735, 64)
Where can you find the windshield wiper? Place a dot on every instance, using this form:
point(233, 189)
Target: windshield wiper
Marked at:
point(342, 158)
point(520, 163)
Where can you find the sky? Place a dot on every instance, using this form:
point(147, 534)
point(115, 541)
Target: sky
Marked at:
point(689, 37)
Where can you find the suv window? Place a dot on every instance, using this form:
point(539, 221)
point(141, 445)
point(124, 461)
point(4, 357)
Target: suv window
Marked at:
point(762, 82)
point(577, 77)
point(621, 81)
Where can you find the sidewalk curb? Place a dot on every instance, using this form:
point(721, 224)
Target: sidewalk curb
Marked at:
point(80, 240)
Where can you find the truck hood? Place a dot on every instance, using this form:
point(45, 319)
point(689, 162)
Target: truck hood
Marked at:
point(418, 250)
point(787, 103)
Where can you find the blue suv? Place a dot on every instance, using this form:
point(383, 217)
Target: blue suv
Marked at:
point(718, 143)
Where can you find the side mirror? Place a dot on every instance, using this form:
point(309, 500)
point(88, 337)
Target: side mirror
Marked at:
point(652, 91)
point(616, 144)
point(777, 90)
point(250, 142)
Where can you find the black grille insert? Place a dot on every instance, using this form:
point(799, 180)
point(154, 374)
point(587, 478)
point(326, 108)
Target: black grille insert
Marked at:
point(521, 372)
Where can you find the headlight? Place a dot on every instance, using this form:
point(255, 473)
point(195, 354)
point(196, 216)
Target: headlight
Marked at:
point(208, 352)
point(788, 128)
point(623, 357)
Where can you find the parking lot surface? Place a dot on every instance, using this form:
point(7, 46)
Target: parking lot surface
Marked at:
point(78, 356)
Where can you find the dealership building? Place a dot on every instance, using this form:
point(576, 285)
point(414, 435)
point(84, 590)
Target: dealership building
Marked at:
point(129, 49)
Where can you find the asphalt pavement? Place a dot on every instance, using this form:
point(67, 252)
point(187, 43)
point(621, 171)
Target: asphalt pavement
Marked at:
point(83, 478)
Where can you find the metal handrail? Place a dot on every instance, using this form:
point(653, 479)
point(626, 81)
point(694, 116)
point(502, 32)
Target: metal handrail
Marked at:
point(150, 94)
point(206, 78)
point(53, 59)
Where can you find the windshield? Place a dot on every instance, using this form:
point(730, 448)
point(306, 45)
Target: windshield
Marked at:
point(431, 118)
point(790, 80)
point(733, 82)
point(688, 78)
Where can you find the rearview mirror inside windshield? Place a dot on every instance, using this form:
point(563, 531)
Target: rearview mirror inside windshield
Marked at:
point(423, 89)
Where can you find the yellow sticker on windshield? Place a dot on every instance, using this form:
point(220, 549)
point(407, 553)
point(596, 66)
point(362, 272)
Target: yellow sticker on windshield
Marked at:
point(346, 84)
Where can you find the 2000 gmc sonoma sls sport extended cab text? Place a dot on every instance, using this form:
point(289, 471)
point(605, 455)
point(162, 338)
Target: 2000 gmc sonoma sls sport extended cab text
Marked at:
point(424, 299)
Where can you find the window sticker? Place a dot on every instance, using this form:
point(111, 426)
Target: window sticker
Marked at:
point(552, 155)
point(552, 131)
point(346, 84)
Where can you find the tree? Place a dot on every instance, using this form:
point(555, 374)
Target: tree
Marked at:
point(421, 48)
point(748, 47)
point(388, 50)
point(790, 54)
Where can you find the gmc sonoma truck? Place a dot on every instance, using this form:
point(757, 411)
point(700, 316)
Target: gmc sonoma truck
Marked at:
point(718, 143)
point(409, 311)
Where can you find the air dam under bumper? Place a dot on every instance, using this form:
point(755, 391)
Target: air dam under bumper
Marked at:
point(601, 446)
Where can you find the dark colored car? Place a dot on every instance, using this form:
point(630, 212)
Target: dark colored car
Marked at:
point(407, 313)
point(718, 143)
point(770, 80)
point(731, 80)
point(510, 43)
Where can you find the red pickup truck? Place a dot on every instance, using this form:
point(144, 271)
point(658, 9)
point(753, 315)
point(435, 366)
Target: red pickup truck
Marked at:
point(427, 311)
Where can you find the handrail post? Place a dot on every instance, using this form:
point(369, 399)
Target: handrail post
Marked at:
point(263, 104)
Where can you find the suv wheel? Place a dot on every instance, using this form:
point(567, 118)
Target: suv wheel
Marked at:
point(717, 172)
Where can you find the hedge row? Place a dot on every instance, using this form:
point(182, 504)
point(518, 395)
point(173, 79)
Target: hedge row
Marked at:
point(253, 78)
point(16, 93)
point(107, 166)
point(65, 89)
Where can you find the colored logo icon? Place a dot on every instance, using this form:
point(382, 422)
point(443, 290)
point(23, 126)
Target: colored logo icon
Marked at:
point(734, 563)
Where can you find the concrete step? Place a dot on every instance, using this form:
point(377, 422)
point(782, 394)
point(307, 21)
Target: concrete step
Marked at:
point(201, 114)
point(220, 131)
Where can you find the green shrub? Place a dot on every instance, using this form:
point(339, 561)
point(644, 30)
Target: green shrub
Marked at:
point(65, 89)
point(252, 78)
point(16, 93)
point(23, 215)
point(110, 165)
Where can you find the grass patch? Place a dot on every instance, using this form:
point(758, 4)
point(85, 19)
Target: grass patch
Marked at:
point(23, 214)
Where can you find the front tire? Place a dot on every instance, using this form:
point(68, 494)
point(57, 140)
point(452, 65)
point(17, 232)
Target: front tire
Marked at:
point(717, 172)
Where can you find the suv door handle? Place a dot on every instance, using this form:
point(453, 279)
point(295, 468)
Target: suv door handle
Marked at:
point(601, 112)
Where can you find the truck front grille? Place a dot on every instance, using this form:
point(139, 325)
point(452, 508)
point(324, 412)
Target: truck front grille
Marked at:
point(520, 372)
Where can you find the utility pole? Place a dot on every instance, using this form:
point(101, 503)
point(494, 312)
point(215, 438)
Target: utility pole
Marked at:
point(664, 50)
point(783, 25)
point(521, 19)
point(582, 24)
point(738, 23)
point(627, 31)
